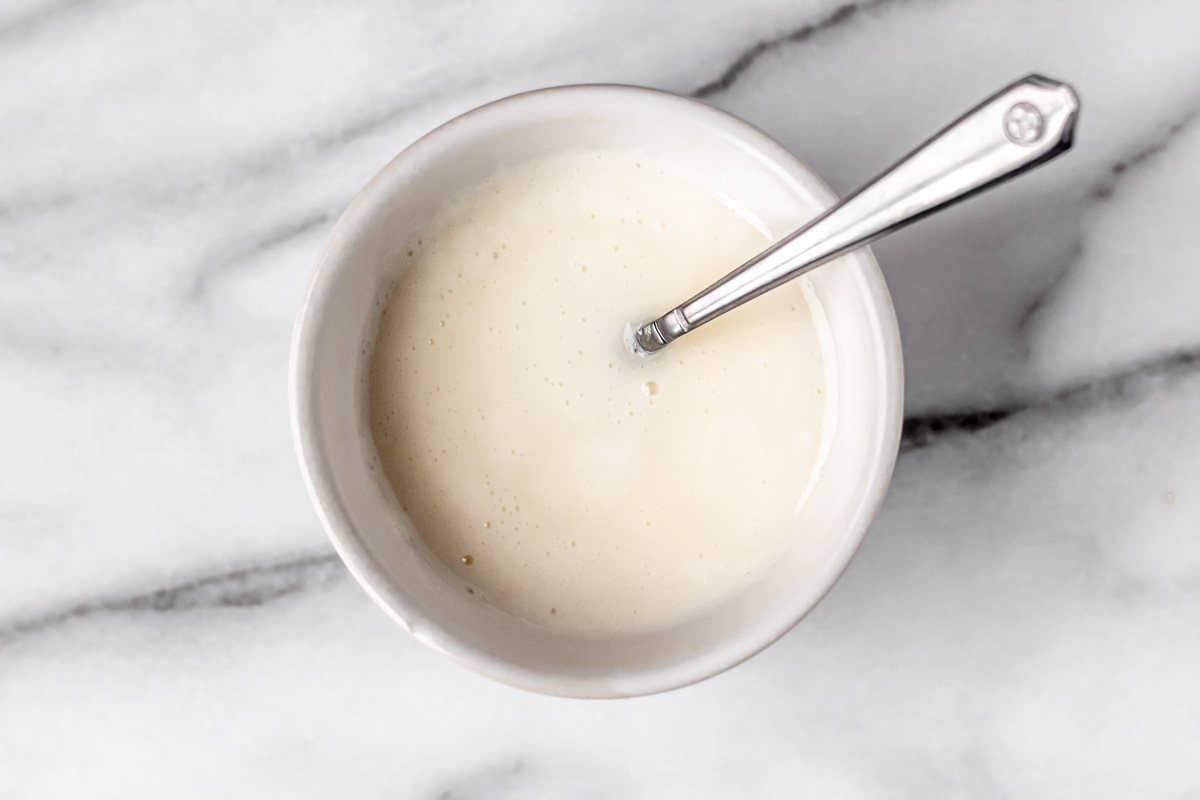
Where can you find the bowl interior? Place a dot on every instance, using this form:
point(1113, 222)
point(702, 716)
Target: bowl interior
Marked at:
point(329, 388)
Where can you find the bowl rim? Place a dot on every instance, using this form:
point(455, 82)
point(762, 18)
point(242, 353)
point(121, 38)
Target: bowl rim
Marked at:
point(319, 482)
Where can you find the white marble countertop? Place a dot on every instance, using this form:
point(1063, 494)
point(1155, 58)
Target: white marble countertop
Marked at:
point(1022, 621)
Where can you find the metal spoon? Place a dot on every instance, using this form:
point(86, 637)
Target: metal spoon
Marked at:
point(1015, 130)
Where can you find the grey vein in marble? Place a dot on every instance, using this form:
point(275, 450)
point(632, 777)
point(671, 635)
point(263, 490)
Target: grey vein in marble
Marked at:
point(1101, 190)
point(796, 36)
point(1106, 187)
point(252, 249)
point(27, 25)
point(244, 587)
point(924, 431)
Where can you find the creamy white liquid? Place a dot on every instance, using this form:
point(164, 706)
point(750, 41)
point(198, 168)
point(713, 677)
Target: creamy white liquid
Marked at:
point(563, 479)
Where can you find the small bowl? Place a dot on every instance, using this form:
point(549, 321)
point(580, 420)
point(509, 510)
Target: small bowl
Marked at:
point(333, 344)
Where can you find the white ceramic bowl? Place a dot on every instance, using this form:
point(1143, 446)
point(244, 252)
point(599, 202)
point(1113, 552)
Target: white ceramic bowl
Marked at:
point(332, 347)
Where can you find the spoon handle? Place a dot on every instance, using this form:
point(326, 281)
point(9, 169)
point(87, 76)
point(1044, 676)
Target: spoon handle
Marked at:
point(1020, 127)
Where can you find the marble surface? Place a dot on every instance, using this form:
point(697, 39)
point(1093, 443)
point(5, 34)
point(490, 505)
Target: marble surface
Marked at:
point(1022, 621)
